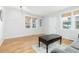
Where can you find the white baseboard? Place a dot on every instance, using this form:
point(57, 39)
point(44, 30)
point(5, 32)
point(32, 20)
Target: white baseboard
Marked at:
point(21, 36)
point(15, 36)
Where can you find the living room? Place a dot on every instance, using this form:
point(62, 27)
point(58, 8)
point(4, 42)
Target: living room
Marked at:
point(23, 25)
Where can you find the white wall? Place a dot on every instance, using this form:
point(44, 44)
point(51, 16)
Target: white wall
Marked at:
point(1, 32)
point(50, 25)
point(46, 25)
point(1, 26)
point(15, 24)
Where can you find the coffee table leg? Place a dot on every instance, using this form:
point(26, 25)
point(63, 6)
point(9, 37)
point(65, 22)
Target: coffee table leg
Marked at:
point(39, 43)
point(60, 41)
point(46, 48)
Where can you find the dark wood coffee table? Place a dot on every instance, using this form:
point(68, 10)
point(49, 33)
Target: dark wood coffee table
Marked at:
point(48, 39)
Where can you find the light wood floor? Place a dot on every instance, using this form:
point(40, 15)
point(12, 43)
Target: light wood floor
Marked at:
point(22, 45)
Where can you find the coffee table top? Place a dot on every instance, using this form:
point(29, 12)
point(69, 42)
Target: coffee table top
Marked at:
point(49, 37)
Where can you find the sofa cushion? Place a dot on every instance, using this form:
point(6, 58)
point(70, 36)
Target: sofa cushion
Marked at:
point(71, 50)
point(75, 45)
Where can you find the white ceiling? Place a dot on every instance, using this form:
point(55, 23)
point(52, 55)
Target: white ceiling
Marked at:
point(43, 10)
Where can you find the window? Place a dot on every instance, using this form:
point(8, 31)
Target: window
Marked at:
point(40, 22)
point(33, 23)
point(77, 22)
point(67, 22)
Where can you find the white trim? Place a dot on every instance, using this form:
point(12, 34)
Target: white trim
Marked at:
point(22, 36)
point(16, 36)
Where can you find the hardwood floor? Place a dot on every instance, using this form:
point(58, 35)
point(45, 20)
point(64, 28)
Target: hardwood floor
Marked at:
point(22, 45)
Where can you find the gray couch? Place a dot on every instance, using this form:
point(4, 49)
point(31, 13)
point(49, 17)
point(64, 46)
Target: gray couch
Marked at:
point(73, 48)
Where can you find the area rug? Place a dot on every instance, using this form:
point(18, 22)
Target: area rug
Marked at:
point(51, 47)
